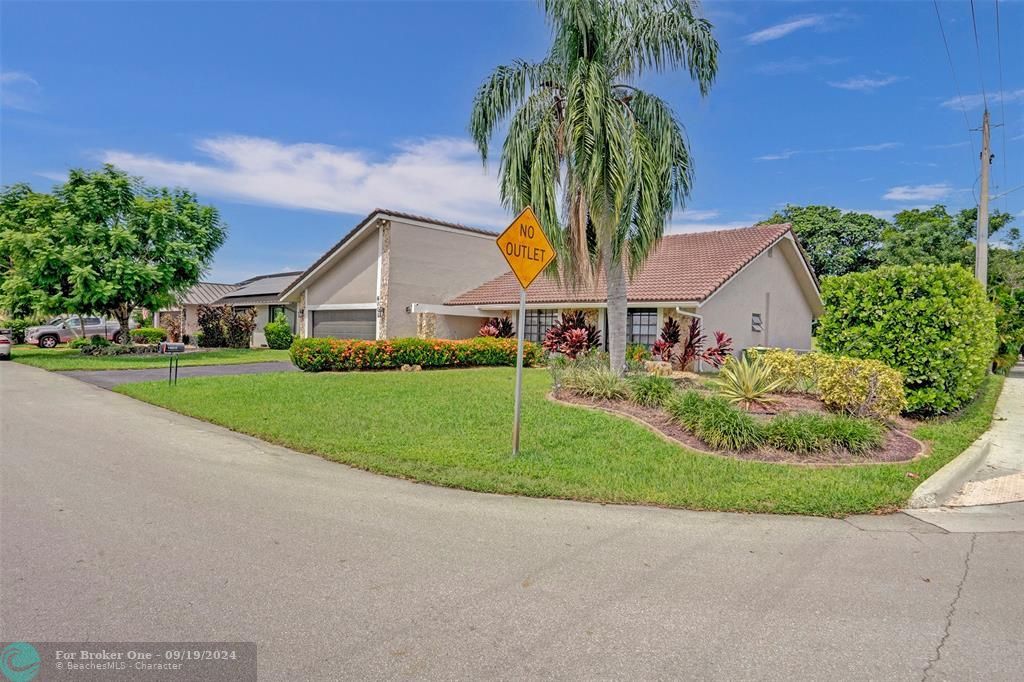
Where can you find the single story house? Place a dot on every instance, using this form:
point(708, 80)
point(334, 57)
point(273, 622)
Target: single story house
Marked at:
point(753, 283)
point(366, 285)
point(263, 294)
point(396, 274)
point(187, 305)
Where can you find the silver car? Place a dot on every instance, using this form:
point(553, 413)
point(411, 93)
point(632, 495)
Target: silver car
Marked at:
point(5, 344)
point(64, 330)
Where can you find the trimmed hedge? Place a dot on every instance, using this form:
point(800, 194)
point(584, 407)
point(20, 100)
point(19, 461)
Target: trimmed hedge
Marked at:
point(149, 335)
point(932, 323)
point(342, 355)
point(278, 333)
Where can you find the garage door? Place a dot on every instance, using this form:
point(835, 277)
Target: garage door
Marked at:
point(345, 324)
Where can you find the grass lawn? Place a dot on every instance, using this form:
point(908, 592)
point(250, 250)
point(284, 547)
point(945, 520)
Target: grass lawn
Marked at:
point(453, 428)
point(61, 359)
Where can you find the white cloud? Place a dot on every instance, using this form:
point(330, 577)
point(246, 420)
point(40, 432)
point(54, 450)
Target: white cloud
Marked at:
point(440, 177)
point(978, 100)
point(951, 145)
point(790, 153)
point(932, 192)
point(694, 214)
point(865, 83)
point(18, 90)
point(785, 28)
point(794, 65)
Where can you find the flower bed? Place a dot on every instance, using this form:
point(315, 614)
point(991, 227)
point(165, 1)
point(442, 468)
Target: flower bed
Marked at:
point(343, 355)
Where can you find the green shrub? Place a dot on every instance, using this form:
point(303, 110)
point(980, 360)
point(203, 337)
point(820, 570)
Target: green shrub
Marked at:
point(341, 355)
point(650, 390)
point(118, 349)
point(225, 327)
point(78, 343)
point(279, 333)
point(149, 335)
point(596, 382)
point(932, 323)
point(747, 381)
point(862, 388)
point(18, 325)
point(638, 352)
point(797, 372)
point(716, 422)
point(808, 432)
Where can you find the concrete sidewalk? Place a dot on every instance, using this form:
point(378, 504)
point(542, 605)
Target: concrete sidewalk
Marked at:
point(122, 521)
point(989, 493)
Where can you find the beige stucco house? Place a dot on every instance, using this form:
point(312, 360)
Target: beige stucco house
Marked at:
point(262, 294)
point(368, 285)
point(752, 283)
point(397, 274)
point(187, 305)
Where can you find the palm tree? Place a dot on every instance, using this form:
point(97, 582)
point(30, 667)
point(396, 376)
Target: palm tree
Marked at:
point(578, 125)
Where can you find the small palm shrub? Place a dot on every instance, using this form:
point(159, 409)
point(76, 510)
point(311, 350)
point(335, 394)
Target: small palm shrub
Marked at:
point(716, 422)
point(650, 390)
point(808, 432)
point(599, 383)
point(746, 381)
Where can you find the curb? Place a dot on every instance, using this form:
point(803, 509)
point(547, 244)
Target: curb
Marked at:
point(944, 483)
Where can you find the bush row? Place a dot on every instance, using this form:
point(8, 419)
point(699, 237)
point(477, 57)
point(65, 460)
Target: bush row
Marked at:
point(149, 335)
point(862, 388)
point(341, 355)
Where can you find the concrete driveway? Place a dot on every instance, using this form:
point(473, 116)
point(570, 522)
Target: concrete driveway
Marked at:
point(122, 521)
point(109, 378)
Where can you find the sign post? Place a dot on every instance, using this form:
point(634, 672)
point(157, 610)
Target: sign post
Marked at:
point(527, 251)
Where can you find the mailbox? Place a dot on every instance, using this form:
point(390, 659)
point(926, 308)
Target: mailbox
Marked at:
point(167, 347)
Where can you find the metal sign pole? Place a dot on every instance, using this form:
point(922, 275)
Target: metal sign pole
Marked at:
point(521, 335)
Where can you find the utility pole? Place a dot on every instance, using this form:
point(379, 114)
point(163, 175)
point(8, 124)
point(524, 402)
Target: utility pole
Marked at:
point(981, 250)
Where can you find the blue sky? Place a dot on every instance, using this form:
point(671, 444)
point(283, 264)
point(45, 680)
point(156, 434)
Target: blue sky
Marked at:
point(296, 119)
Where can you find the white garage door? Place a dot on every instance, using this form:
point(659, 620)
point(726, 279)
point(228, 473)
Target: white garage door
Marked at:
point(345, 324)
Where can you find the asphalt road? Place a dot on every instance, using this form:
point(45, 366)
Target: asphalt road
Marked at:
point(108, 378)
point(121, 521)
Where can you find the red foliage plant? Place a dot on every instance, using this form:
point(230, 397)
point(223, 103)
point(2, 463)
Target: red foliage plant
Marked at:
point(563, 338)
point(498, 327)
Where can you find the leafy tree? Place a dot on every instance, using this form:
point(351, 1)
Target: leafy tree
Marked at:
point(104, 242)
point(578, 124)
point(935, 237)
point(835, 242)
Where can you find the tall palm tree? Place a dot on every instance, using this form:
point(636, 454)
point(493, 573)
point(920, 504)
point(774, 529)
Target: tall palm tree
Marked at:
point(579, 126)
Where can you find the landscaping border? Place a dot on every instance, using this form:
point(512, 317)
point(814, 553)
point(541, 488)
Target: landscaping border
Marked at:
point(924, 451)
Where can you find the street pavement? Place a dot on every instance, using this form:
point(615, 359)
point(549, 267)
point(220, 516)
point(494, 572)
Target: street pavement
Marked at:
point(108, 378)
point(122, 521)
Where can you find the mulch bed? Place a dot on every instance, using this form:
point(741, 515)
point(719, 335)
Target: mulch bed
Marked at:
point(898, 447)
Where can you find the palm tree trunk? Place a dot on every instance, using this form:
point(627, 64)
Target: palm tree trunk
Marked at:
point(615, 276)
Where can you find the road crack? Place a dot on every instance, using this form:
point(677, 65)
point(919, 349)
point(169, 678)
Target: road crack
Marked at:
point(937, 656)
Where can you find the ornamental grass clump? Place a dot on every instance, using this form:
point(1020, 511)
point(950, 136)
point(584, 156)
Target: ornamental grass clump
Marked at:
point(808, 432)
point(650, 390)
point(599, 383)
point(715, 421)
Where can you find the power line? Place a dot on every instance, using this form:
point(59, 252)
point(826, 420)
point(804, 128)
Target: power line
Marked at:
point(1002, 104)
point(977, 51)
point(956, 83)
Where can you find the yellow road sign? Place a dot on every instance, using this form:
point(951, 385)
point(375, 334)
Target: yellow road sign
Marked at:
point(525, 247)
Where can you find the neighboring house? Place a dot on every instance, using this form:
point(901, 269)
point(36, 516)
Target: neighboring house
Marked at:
point(397, 274)
point(262, 293)
point(366, 285)
point(752, 283)
point(203, 293)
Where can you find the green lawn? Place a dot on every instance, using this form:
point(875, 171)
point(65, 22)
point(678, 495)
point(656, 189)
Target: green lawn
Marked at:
point(453, 428)
point(61, 359)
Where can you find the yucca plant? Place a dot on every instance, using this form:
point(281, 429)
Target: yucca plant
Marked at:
point(747, 381)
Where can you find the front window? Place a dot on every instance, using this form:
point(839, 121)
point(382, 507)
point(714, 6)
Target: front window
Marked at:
point(642, 326)
point(538, 322)
point(289, 314)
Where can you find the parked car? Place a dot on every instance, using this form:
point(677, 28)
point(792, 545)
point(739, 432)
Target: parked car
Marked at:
point(64, 330)
point(5, 344)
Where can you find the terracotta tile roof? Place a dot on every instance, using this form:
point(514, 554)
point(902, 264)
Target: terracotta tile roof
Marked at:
point(374, 214)
point(684, 267)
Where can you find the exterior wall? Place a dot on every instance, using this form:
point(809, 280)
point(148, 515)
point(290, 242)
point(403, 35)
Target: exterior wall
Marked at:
point(353, 279)
point(767, 286)
point(430, 266)
point(259, 339)
point(456, 327)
